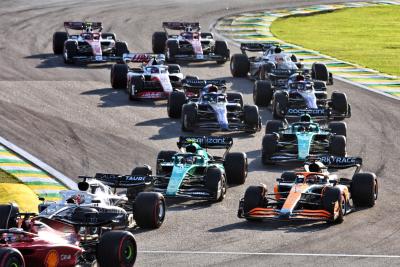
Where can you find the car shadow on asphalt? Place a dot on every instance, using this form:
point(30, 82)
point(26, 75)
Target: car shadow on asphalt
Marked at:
point(288, 227)
point(110, 97)
point(49, 60)
point(168, 128)
point(179, 204)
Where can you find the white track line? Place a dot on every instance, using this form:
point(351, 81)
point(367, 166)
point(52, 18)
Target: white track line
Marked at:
point(269, 254)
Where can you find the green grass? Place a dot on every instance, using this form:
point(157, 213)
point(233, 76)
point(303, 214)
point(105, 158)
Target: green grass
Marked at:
point(368, 36)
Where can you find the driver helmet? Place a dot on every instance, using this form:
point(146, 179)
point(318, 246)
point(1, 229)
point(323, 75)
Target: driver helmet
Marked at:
point(312, 179)
point(189, 160)
point(211, 88)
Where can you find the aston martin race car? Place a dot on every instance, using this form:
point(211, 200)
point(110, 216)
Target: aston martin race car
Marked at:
point(272, 64)
point(214, 109)
point(151, 80)
point(283, 143)
point(27, 240)
point(189, 44)
point(193, 172)
point(119, 209)
point(313, 194)
point(90, 45)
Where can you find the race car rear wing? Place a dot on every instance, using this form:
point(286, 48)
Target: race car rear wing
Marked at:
point(212, 142)
point(124, 181)
point(202, 83)
point(143, 57)
point(181, 25)
point(335, 162)
point(256, 47)
point(78, 25)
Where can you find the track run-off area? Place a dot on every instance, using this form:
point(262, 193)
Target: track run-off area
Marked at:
point(71, 118)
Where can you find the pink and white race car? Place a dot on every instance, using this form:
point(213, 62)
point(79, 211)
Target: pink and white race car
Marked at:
point(89, 45)
point(189, 44)
point(152, 79)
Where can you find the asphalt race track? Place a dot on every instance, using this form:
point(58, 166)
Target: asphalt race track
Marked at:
point(69, 117)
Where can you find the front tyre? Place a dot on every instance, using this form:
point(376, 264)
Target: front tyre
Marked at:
point(149, 210)
point(116, 248)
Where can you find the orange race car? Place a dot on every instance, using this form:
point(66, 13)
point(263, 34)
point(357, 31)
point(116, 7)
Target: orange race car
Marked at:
point(313, 194)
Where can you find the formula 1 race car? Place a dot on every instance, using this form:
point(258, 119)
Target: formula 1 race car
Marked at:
point(120, 210)
point(313, 194)
point(189, 44)
point(192, 173)
point(151, 80)
point(273, 64)
point(89, 46)
point(213, 108)
point(26, 240)
point(295, 142)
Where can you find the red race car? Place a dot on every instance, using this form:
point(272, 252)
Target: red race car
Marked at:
point(26, 240)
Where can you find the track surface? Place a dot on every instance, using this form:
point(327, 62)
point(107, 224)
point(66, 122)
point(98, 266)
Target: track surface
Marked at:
point(73, 120)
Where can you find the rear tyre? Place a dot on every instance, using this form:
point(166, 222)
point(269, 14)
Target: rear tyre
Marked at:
point(149, 210)
point(269, 147)
point(59, 39)
point(11, 257)
point(188, 118)
point(121, 48)
point(262, 93)
point(106, 35)
point(280, 105)
point(337, 146)
point(338, 128)
point(319, 72)
point(118, 77)
point(273, 126)
point(158, 42)
point(339, 102)
point(207, 35)
point(172, 50)
point(332, 197)
point(70, 51)
point(216, 183)
point(221, 49)
point(251, 118)
point(236, 167)
point(364, 189)
point(8, 216)
point(240, 65)
point(253, 198)
point(176, 100)
point(143, 170)
point(116, 248)
point(174, 68)
point(235, 97)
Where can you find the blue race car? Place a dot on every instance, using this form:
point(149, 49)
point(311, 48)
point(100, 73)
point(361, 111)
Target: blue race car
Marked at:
point(295, 142)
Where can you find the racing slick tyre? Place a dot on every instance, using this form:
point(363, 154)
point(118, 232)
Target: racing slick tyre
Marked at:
point(116, 248)
point(240, 65)
point(273, 126)
point(138, 83)
point(118, 77)
point(279, 105)
point(339, 102)
point(288, 177)
point(253, 198)
point(262, 93)
point(236, 167)
point(319, 72)
point(143, 170)
point(235, 97)
point(206, 35)
point(216, 183)
point(320, 86)
point(269, 146)
point(338, 128)
point(172, 50)
point(8, 216)
point(331, 197)
point(192, 77)
point(11, 257)
point(174, 68)
point(188, 117)
point(221, 49)
point(149, 210)
point(251, 118)
point(70, 51)
point(106, 35)
point(176, 100)
point(337, 146)
point(163, 156)
point(121, 48)
point(158, 41)
point(59, 39)
point(364, 189)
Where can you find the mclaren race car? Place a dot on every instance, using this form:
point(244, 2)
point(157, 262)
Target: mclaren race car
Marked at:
point(189, 44)
point(90, 45)
point(27, 240)
point(283, 143)
point(193, 172)
point(151, 80)
point(120, 210)
point(213, 109)
point(313, 194)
